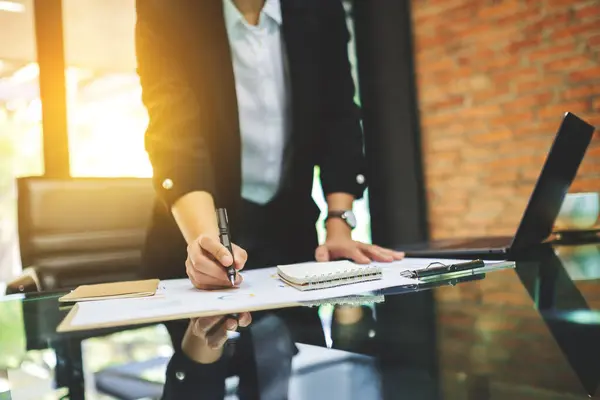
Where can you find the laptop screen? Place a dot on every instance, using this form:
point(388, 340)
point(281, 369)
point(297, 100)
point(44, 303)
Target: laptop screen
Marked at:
point(560, 168)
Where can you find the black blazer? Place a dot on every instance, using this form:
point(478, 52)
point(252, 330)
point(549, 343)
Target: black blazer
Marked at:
point(193, 136)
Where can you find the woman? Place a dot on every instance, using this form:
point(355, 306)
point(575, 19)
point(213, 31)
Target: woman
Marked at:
point(245, 97)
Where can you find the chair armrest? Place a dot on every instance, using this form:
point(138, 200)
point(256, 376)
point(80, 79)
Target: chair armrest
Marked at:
point(28, 282)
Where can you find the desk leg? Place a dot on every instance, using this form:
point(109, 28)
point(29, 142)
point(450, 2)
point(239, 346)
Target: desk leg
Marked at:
point(4, 385)
point(69, 368)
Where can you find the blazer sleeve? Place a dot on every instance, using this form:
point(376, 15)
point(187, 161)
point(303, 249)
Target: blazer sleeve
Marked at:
point(342, 159)
point(186, 379)
point(174, 141)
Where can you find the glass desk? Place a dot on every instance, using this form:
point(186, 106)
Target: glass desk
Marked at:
point(532, 332)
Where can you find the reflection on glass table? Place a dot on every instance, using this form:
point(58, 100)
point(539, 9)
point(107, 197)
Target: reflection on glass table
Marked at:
point(502, 335)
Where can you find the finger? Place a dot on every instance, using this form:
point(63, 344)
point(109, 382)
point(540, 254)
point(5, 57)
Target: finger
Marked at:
point(376, 254)
point(198, 277)
point(218, 341)
point(203, 325)
point(382, 250)
point(198, 256)
point(322, 254)
point(240, 256)
point(203, 281)
point(359, 257)
point(195, 276)
point(218, 251)
point(217, 337)
point(207, 282)
point(245, 319)
point(396, 255)
point(231, 324)
point(210, 267)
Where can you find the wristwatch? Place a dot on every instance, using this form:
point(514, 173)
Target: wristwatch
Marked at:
point(346, 215)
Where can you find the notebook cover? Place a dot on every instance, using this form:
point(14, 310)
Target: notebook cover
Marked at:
point(113, 290)
point(303, 273)
point(315, 275)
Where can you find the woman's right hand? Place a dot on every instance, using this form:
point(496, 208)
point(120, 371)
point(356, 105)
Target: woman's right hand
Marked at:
point(207, 262)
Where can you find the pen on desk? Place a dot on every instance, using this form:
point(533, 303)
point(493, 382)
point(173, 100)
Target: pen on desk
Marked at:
point(442, 269)
point(225, 238)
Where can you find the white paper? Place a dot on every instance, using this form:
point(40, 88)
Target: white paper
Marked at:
point(260, 289)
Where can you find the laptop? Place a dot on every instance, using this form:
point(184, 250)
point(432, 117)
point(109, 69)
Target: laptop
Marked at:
point(559, 170)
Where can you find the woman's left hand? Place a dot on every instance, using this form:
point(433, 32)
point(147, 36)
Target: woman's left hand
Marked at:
point(361, 253)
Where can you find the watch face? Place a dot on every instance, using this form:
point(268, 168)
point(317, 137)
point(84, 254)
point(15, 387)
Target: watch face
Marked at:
point(350, 219)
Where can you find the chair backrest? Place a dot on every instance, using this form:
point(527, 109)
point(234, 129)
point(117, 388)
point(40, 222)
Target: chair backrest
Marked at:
point(83, 230)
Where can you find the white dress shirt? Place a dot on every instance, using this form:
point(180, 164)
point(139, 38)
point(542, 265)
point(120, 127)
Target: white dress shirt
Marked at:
point(262, 94)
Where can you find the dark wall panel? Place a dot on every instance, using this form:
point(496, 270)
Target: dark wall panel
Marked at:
point(391, 122)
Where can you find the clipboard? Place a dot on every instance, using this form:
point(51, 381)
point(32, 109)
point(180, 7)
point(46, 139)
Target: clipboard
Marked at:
point(177, 299)
point(67, 326)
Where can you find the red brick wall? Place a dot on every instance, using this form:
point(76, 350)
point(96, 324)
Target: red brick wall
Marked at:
point(494, 78)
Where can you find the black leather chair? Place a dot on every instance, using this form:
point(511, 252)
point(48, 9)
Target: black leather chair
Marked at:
point(82, 230)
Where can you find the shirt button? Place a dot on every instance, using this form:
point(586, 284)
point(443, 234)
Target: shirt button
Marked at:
point(167, 184)
point(360, 179)
point(180, 375)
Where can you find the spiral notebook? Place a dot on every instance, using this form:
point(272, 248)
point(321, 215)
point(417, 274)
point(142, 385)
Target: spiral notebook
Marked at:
point(320, 275)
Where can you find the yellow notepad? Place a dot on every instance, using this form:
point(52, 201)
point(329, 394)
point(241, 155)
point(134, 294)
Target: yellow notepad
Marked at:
point(114, 290)
point(320, 275)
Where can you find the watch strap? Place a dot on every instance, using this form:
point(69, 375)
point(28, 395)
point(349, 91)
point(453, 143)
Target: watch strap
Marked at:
point(336, 214)
point(340, 214)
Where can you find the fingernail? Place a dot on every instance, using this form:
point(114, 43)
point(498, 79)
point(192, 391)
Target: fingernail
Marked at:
point(231, 325)
point(239, 279)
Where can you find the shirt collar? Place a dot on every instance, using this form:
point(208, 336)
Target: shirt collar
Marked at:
point(272, 9)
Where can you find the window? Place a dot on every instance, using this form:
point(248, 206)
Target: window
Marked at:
point(20, 122)
point(106, 124)
point(106, 117)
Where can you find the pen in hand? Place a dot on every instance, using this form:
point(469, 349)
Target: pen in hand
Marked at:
point(225, 238)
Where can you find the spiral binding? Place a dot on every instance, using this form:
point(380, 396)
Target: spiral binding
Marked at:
point(358, 300)
point(354, 275)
